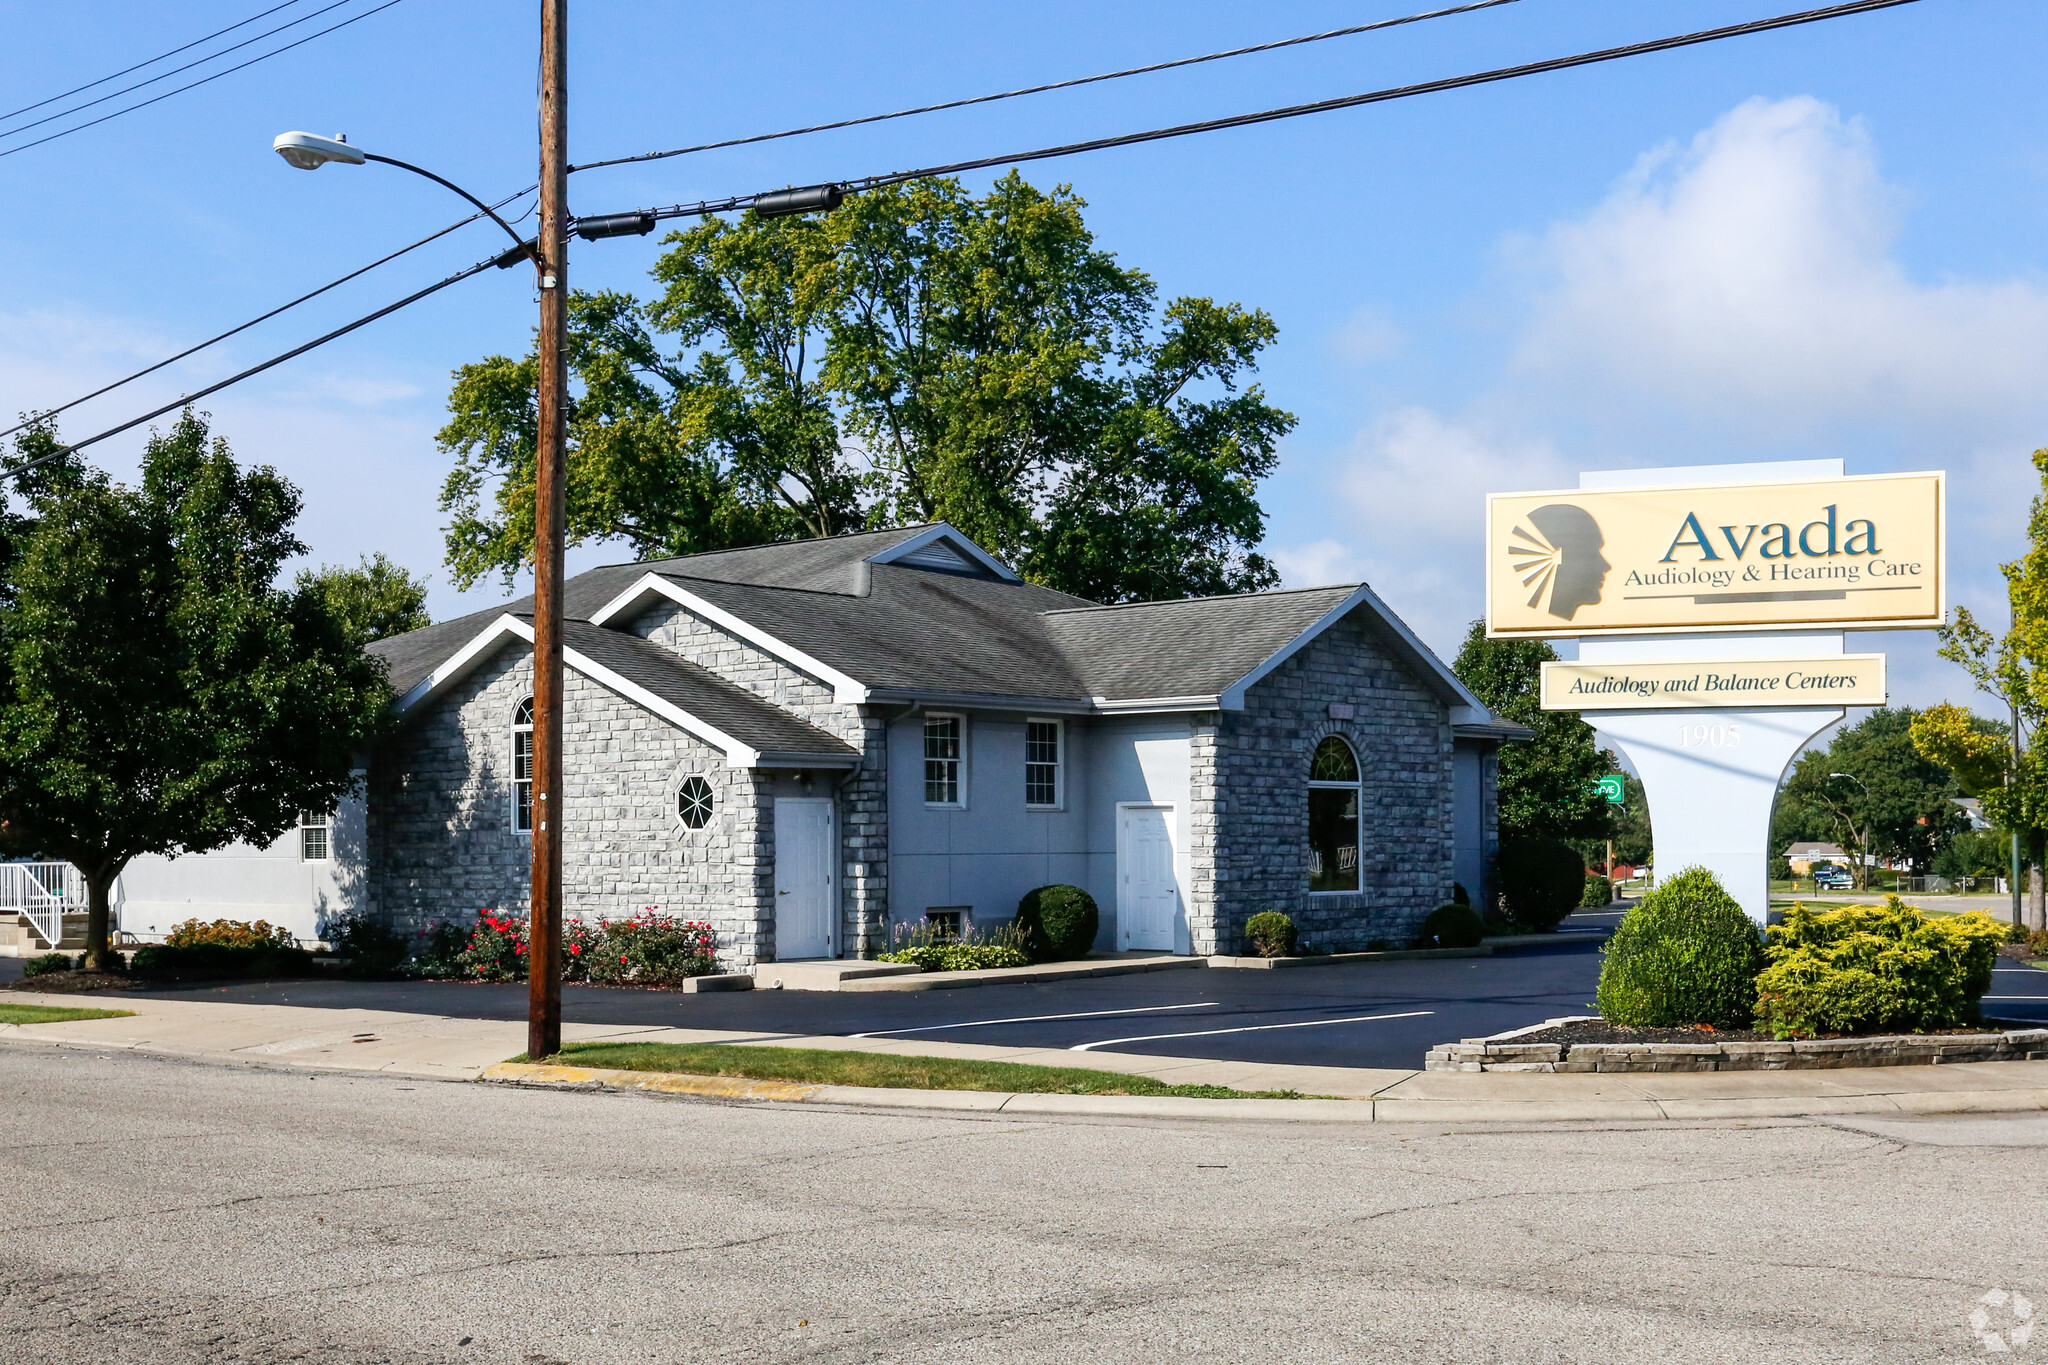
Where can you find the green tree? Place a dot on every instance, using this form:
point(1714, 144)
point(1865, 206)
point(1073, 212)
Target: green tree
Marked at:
point(161, 694)
point(2006, 771)
point(922, 354)
point(1894, 795)
point(375, 599)
point(1546, 784)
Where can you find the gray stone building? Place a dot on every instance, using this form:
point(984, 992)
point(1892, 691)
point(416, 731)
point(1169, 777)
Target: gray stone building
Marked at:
point(810, 745)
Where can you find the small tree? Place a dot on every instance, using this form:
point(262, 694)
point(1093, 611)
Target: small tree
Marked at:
point(373, 600)
point(2007, 771)
point(159, 693)
point(1546, 785)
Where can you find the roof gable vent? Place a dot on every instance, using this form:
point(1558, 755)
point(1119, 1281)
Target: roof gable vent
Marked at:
point(941, 554)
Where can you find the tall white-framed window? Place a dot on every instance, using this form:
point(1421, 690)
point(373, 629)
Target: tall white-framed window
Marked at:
point(522, 768)
point(945, 751)
point(1334, 826)
point(314, 844)
point(1044, 764)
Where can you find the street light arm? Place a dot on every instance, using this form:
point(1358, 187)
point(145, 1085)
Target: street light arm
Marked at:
point(481, 206)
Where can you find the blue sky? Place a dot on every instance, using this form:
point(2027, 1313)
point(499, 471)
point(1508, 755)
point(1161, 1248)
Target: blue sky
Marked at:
point(1823, 242)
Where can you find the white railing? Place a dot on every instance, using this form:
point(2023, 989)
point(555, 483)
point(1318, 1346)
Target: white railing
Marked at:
point(45, 893)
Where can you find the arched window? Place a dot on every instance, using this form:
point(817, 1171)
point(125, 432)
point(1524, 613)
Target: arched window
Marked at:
point(693, 802)
point(522, 767)
point(1333, 817)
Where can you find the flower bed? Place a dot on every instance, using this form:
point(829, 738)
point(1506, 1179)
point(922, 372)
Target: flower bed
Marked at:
point(936, 948)
point(645, 949)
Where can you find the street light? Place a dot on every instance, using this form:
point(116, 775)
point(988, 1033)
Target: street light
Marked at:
point(310, 151)
point(1865, 835)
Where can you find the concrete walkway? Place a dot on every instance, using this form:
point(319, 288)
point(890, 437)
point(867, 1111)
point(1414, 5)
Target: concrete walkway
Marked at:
point(435, 1047)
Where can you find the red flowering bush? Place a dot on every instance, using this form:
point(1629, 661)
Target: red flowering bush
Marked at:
point(496, 950)
point(651, 949)
point(582, 944)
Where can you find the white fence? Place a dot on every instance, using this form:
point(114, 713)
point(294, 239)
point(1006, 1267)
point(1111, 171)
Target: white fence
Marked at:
point(45, 893)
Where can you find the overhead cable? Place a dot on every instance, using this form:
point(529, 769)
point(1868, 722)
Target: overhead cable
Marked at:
point(1504, 73)
point(161, 56)
point(192, 85)
point(265, 317)
point(1055, 85)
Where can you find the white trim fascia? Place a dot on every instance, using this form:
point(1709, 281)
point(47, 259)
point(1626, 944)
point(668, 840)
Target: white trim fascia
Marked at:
point(943, 531)
point(1125, 706)
point(460, 662)
point(1232, 698)
point(924, 698)
point(846, 690)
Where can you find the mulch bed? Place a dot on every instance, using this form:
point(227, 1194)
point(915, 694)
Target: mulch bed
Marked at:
point(1600, 1031)
point(75, 983)
point(2017, 952)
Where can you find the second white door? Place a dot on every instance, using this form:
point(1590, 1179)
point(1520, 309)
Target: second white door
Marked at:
point(805, 890)
point(1148, 892)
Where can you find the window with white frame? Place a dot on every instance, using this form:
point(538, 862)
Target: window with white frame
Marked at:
point(944, 745)
point(314, 846)
point(1333, 817)
point(1042, 763)
point(522, 767)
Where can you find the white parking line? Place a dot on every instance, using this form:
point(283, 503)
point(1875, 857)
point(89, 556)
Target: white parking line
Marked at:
point(1032, 1019)
point(2013, 997)
point(1250, 1028)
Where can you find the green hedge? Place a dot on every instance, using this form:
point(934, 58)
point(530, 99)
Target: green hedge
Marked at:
point(1057, 923)
point(1451, 926)
point(1269, 934)
point(1875, 969)
point(1599, 893)
point(216, 961)
point(1541, 880)
point(1686, 954)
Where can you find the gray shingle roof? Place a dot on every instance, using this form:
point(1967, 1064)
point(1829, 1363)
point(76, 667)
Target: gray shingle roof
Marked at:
point(731, 709)
point(1191, 648)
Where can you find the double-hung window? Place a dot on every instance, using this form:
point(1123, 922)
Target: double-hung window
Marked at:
point(944, 746)
point(1042, 762)
point(522, 768)
point(314, 846)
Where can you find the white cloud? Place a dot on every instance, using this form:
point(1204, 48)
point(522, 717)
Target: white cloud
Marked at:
point(1367, 337)
point(1751, 278)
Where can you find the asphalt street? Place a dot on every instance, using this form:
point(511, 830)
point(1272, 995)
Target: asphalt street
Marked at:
point(172, 1213)
point(1377, 1014)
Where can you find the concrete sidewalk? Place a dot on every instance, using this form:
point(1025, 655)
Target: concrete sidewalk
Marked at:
point(436, 1047)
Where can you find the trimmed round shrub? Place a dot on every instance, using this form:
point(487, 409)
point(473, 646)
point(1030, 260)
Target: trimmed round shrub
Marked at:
point(1685, 955)
point(1270, 934)
point(1451, 926)
point(1057, 923)
point(1541, 881)
point(1599, 893)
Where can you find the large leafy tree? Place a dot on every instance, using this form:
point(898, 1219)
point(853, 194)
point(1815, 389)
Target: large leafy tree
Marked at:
point(159, 692)
point(922, 354)
point(372, 600)
point(1546, 784)
point(1894, 796)
point(2004, 766)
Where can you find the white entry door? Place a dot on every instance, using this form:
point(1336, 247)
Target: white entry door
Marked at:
point(1147, 894)
point(805, 890)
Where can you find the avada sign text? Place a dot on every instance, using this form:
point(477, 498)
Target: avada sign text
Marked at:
point(1854, 553)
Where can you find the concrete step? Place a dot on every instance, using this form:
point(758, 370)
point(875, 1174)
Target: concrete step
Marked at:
point(826, 974)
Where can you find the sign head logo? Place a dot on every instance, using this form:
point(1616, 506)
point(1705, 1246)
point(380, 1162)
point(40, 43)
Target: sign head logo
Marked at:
point(1560, 557)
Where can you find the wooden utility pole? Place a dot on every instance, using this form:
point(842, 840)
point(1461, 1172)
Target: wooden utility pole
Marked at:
point(544, 960)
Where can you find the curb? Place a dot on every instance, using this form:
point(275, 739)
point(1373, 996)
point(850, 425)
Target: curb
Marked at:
point(1005, 976)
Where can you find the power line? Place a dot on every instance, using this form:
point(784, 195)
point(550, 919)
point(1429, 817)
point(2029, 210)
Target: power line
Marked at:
point(232, 331)
point(276, 360)
point(1055, 85)
point(161, 56)
point(164, 76)
point(143, 104)
point(1321, 106)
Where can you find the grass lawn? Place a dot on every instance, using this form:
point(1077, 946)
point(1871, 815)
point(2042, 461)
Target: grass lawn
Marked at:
point(54, 1014)
point(820, 1066)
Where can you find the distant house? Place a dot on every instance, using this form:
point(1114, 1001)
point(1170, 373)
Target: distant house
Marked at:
point(811, 745)
point(1803, 856)
point(1973, 811)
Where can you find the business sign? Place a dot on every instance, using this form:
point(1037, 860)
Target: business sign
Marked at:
point(1863, 553)
point(1832, 680)
point(1611, 789)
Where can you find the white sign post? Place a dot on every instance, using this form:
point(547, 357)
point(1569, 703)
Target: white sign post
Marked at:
point(1710, 604)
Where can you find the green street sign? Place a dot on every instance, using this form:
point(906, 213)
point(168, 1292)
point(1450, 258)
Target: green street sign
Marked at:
point(1612, 788)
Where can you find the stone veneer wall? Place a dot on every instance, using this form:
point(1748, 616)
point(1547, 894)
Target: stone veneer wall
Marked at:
point(863, 795)
point(441, 837)
point(1249, 843)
